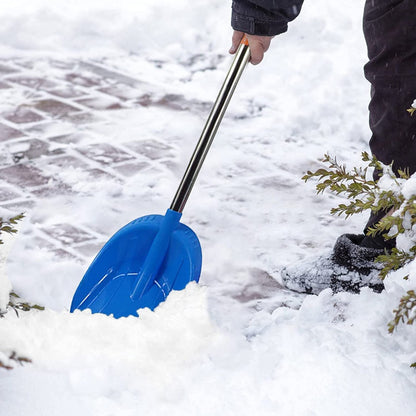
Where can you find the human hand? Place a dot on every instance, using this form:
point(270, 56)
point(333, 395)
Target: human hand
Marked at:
point(258, 45)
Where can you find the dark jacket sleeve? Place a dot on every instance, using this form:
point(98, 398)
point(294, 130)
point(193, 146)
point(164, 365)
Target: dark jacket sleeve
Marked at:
point(264, 17)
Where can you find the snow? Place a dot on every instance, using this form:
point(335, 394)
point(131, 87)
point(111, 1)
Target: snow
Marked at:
point(321, 359)
point(409, 187)
point(237, 343)
point(5, 285)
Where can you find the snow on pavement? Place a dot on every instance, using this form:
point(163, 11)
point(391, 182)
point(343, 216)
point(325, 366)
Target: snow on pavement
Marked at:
point(134, 82)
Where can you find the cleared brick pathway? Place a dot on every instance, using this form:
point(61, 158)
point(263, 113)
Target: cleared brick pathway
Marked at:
point(43, 98)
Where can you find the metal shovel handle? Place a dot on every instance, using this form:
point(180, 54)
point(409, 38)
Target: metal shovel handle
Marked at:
point(217, 112)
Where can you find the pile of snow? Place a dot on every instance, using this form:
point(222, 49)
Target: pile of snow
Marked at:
point(332, 356)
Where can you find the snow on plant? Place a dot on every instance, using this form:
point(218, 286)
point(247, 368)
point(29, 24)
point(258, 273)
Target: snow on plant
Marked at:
point(9, 299)
point(412, 109)
point(394, 195)
point(7, 226)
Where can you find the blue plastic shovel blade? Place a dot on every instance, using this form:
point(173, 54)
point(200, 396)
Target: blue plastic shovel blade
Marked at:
point(139, 266)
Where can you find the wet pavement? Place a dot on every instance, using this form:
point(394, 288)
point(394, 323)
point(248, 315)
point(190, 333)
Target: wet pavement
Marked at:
point(48, 107)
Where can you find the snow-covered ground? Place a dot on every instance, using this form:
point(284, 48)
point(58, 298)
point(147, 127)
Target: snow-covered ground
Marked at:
point(237, 343)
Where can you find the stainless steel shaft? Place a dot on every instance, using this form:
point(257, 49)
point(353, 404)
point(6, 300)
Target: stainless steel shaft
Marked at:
point(217, 112)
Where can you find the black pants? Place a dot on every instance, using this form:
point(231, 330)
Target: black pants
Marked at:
point(390, 33)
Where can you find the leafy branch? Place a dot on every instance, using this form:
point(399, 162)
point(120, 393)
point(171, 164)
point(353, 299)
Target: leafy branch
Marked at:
point(8, 225)
point(14, 357)
point(412, 109)
point(363, 194)
point(366, 194)
point(405, 312)
point(17, 304)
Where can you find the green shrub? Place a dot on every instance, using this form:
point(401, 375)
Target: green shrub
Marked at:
point(8, 225)
point(391, 194)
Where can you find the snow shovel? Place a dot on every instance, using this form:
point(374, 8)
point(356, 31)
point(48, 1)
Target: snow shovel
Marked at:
point(155, 254)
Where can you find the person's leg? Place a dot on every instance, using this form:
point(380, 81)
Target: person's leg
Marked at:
point(390, 32)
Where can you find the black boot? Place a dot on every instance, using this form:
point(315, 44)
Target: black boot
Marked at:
point(359, 261)
point(348, 267)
